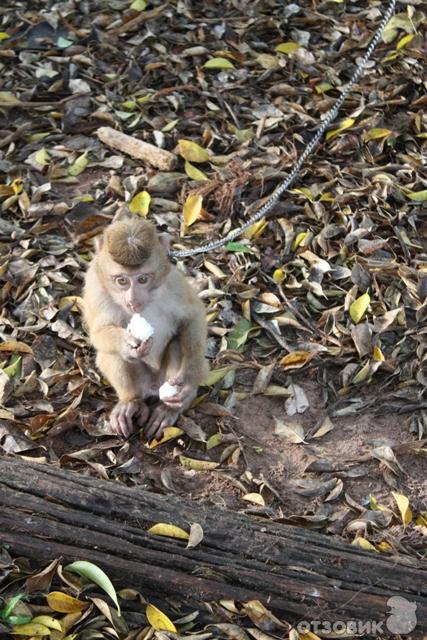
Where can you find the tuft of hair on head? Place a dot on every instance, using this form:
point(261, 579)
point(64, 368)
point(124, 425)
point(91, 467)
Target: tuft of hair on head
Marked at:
point(131, 241)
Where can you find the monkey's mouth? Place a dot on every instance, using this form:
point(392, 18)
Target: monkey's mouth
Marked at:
point(135, 308)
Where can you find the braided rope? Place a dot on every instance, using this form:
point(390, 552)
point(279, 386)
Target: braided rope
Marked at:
point(330, 117)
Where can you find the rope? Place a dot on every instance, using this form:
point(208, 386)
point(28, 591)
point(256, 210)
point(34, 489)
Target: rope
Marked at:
point(283, 186)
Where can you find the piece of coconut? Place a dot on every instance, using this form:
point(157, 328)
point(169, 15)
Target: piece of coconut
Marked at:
point(140, 328)
point(167, 391)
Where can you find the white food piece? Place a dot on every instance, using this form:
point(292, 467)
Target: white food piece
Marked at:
point(167, 391)
point(140, 328)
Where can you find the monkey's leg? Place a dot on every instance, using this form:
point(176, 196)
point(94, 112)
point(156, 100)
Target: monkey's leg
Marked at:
point(129, 380)
point(161, 415)
point(182, 374)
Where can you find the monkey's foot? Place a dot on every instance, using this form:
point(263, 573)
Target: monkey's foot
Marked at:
point(124, 416)
point(161, 416)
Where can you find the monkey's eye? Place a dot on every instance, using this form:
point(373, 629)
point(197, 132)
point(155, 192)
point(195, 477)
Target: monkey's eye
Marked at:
point(121, 281)
point(143, 279)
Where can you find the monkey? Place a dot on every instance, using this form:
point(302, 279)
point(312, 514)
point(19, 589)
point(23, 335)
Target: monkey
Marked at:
point(130, 273)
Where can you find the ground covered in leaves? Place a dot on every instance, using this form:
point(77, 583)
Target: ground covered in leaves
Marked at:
point(314, 412)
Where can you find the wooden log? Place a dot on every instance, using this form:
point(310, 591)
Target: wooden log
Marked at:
point(47, 512)
point(136, 148)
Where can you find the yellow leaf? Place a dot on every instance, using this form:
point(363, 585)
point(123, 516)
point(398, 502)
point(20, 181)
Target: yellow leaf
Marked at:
point(192, 151)
point(358, 307)
point(169, 531)
point(63, 603)
point(192, 209)
point(384, 546)
point(255, 230)
point(158, 620)
point(287, 47)
point(48, 621)
point(377, 354)
point(215, 376)
point(403, 504)
point(198, 465)
point(140, 204)
point(76, 302)
point(218, 63)
point(193, 172)
point(296, 359)
point(278, 276)
point(364, 544)
point(30, 629)
point(79, 165)
point(404, 41)
point(6, 190)
point(255, 498)
point(299, 239)
point(345, 124)
point(375, 134)
point(168, 434)
point(17, 186)
point(304, 191)
point(323, 87)
point(4, 35)
point(8, 98)
point(15, 346)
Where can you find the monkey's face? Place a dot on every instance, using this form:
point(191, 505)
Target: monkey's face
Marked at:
point(132, 288)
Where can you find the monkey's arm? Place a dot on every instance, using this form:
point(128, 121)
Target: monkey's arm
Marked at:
point(103, 320)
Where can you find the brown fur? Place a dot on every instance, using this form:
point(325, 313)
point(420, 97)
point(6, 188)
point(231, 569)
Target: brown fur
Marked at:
point(132, 241)
point(177, 349)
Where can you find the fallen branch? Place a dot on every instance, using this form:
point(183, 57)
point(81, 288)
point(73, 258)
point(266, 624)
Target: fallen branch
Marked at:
point(47, 512)
point(136, 148)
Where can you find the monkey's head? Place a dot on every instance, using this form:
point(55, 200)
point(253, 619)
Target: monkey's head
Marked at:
point(132, 257)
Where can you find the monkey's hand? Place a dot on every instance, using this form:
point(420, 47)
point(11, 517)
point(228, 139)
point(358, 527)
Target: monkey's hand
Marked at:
point(134, 349)
point(185, 396)
point(123, 414)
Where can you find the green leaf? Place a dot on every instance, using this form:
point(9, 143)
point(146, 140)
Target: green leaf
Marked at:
point(79, 165)
point(193, 172)
point(218, 63)
point(9, 607)
point(239, 334)
point(419, 196)
point(14, 368)
point(96, 575)
point(215, 376)
point(42, 157)
point(64, 43)
point(287, 47)
point(238, 247)
point(170, 125)
point(323, 87)
point(358, 307)
point(138, 5)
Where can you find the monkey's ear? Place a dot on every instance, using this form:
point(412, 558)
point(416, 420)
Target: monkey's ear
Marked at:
point(122, 213)
point(99, 242)
point(165, 241)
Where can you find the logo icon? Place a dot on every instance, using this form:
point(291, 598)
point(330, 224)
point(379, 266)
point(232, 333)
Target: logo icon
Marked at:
point(402, 617)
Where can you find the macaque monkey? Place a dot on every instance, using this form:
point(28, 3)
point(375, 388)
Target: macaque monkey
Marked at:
point(130, 274)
